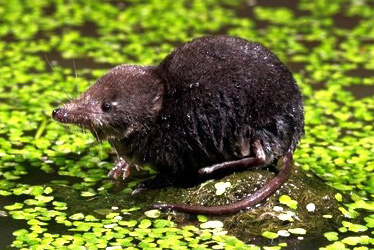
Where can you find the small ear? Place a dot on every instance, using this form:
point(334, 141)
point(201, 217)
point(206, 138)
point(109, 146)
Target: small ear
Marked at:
point(157, 100)
point(157, 104)
point(113, 96)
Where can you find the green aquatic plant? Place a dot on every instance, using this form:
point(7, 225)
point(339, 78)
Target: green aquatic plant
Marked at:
point(54, 179)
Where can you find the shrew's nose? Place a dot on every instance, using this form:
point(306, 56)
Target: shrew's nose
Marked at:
point(55, 113)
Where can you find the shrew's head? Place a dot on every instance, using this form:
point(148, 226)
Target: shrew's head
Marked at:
point(121, 102)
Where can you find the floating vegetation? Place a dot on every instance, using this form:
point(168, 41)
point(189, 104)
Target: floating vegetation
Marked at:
point(54, 192)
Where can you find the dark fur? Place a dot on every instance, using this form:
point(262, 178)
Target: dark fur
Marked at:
point(204, 104)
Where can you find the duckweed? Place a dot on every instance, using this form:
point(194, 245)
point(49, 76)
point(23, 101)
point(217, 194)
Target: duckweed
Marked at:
point(54, 177)
point(270, 235)
point(297, 230)
point(285, 199)
point(153, 213)
point(331, 236)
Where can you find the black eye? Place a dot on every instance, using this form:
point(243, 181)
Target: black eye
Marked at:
point(106, 107)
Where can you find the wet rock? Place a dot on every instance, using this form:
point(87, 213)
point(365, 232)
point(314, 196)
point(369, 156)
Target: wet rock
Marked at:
point(312, 205)
point(304, 201)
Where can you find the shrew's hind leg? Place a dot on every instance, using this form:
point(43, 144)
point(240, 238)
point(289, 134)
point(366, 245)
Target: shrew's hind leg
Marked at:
point(258, 160)
point(258, 196)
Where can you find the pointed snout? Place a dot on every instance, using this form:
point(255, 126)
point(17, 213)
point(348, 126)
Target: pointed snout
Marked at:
point(55, 113)
point(59, 115)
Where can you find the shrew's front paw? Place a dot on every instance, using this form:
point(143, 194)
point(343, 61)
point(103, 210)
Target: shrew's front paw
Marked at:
point(120, 169)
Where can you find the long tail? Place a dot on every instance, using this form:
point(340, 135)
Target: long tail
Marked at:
point(261, 194)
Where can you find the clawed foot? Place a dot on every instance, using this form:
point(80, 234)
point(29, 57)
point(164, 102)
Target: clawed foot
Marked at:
point(258, 160)
point(206, 171)
point(121, 169)
point(223, 165)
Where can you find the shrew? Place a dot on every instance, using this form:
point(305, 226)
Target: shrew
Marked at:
point(214, 103)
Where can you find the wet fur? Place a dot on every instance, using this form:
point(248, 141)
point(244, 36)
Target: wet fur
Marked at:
point(205, 103)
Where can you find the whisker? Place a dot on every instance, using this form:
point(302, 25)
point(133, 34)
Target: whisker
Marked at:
point(57, 100)
point(49, 63)
point(75, 69)
point(115, 150)
point(114, 128)
point(51, 66)
point(97, 136)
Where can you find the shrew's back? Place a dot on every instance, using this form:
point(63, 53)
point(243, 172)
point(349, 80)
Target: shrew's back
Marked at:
point(220, 94)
